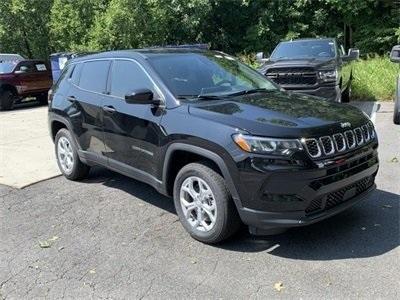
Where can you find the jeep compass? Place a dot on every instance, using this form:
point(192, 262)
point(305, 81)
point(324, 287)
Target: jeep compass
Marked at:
point(226, 143)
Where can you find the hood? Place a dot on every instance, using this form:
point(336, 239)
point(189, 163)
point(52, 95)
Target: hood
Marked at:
point(280, 114)
point(317, 63)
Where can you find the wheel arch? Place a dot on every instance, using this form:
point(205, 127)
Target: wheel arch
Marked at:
point(8, 87)
point(195, 153)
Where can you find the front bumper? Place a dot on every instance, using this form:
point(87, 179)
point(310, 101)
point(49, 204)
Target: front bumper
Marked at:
point(331, 93)
point(303, 197)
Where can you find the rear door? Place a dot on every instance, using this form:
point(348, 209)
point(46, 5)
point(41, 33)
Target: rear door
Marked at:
point(85, 96)
point(131, 131)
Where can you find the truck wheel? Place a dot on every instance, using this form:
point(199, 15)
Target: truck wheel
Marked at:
point(67, 157)
point(396, 113)
point(6, 100)
point(204, 205)
point(346, 95)
point(42, 98)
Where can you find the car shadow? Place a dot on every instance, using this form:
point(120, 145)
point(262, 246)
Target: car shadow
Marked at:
point(368, 229)
point(27, 104)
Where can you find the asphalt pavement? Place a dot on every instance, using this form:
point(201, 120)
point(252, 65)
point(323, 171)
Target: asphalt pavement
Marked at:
point(113, 237)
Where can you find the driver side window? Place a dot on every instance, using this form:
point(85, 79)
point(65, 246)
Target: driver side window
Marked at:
point(127, 76)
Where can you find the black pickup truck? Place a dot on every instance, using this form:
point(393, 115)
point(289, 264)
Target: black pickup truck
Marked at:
point(316, 67)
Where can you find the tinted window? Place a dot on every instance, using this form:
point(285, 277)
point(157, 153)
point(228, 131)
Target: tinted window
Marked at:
point(127, 76)
point(25, 67)
point(94, 76)
point(304, 49)
point(75, 74)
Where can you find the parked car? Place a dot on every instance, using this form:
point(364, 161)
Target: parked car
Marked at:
point(59, 60)
point(21, 79)
point(4, 57)
point(316, 67)
point(395, 57)
point(218, 136)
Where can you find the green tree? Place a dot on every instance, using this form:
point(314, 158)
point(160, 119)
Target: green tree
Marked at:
point(23, 27)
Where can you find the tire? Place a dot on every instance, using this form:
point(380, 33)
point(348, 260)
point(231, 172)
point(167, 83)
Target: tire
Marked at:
point(71, 167)
point(396, 112)
point(346, 95)
point(6, 100)
point(42, 99)
point(226, 221)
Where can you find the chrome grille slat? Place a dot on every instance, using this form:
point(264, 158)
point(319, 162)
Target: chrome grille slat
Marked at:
point(327, 145)
point(359, 136)
point(339, 142)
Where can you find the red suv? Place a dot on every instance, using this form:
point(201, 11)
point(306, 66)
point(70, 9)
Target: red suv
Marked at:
point(21, 79)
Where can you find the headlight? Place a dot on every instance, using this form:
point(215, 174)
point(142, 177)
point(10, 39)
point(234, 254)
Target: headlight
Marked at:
point(261, 145)
point(328, 75)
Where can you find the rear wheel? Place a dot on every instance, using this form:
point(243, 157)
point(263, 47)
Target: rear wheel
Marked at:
point(7, 99)
point(42, 98)
point(396, 113)
point(204, 205)
point(67, 157)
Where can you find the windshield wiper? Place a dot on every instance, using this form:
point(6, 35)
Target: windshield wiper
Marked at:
point(252, 91)
point(201, 97)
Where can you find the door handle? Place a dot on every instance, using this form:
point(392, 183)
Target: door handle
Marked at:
point(109, 109)
point(71, 98)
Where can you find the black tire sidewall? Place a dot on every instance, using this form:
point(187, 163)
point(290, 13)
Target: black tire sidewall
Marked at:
point(221, 201)
point(75, 171)
point(6, 100)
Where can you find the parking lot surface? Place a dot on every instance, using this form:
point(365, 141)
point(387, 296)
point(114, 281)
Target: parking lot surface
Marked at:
point(113, 237)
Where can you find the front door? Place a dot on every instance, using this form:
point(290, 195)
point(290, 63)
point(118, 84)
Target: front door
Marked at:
point(131, 131)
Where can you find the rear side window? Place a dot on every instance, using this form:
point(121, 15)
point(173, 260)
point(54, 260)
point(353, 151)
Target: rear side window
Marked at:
point(94, 76)
point(75, 74)
point(127, 76)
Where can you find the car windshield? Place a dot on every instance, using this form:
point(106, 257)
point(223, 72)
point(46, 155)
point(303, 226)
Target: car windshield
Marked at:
point(304, 49)
point(6, 67)
point(195, 75)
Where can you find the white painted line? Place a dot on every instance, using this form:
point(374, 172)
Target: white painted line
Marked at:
point(373, 113)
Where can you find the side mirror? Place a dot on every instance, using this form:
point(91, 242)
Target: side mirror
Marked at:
point(140, 96)
point(260, 57)
point(353, 54)
point(395, 54)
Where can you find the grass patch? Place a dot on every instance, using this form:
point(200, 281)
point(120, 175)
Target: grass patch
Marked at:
point(374, 79)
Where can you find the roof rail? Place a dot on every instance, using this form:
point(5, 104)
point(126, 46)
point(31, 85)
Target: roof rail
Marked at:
point(190, 46)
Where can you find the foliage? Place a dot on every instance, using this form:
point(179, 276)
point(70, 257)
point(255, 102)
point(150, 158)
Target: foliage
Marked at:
point(374, 79)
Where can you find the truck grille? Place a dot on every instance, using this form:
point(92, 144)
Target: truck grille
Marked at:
point(292, 76)
point(338, 197)
point(339, 142)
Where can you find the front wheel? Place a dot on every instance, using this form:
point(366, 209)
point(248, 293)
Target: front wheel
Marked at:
point(346, 94)
point(67, 157)
point(7, 99)
point(204, 205)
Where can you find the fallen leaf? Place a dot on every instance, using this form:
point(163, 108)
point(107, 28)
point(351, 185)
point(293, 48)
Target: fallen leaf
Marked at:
point(54, 238)
point(60, 248)
point(92, 271)
point(363, 228)
point(278, 286)
point(387, 206)
point(376, 224)
point(194, 262)
point(44, 244)
point(394, 160)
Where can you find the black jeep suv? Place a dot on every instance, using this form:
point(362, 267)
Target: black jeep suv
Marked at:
point(317, 67)
point(219, 137)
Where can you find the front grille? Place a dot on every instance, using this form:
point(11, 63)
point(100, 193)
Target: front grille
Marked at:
point(339, 142)
point(338, 197)
point(359, 136)
point(335, 198)
point(292, 76)
point(313, 148)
